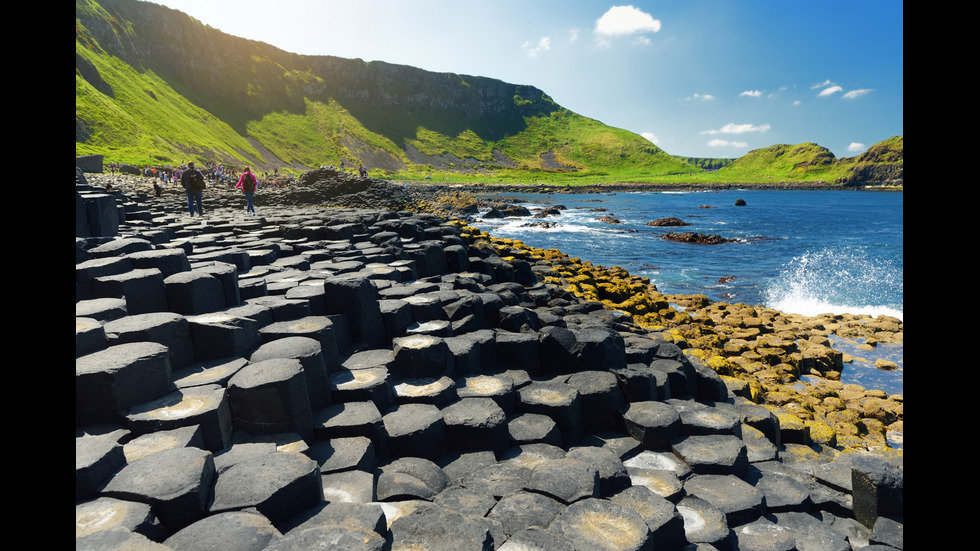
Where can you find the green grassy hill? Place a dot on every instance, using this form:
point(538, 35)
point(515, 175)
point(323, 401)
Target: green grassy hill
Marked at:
point(803, 162)
point(155, 86)
point(810, 162)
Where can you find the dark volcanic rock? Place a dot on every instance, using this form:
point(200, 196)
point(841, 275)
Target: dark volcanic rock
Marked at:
point(514, 211)
point(565, 427)
point(670, 221)
point(697, 238)
point(326, 186)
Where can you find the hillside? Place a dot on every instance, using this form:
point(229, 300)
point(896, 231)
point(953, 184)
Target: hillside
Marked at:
point(153, 85)
point(808, 162)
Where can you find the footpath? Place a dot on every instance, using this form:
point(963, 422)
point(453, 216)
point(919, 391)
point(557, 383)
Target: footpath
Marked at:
point(363, 378)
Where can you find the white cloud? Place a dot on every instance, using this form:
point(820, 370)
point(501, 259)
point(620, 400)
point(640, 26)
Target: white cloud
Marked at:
point(835, 89)
point(701, 97)
point(856, 147)
point(651, 137)
point(732, 128)
point(718, 142)
point(625, 20)
point(823, 84)
point(857, 93)
point(573, 35)
point(543, 44)
point(751, 93)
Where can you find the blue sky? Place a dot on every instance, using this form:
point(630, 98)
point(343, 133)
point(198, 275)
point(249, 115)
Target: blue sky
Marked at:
point(700, 78)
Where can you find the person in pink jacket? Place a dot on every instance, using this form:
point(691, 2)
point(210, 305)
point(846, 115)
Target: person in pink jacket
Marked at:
point(248, 184)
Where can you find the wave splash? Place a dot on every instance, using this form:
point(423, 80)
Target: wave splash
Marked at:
point(837, 282)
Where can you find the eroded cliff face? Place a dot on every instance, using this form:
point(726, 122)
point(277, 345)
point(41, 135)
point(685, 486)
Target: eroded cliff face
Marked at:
point(881, 165)
point(875, 175)
point(239, 79)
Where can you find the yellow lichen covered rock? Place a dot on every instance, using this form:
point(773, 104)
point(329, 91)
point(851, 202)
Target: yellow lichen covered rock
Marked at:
point(821, 433)
point(759, 352)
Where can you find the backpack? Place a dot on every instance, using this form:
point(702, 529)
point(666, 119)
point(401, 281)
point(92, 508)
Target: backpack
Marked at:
point(196, 180)
point(250, 183)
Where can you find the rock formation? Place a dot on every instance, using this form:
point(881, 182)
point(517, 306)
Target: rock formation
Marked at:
point(384, 380)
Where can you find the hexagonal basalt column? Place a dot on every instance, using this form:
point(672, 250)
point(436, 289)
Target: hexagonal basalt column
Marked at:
point(271, 397)
point(422, 356)
point(416, 430)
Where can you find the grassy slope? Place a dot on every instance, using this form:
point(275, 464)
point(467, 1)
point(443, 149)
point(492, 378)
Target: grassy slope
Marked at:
point(134, 115)
point(142, 119)
point(800, 163)
point(587, 150)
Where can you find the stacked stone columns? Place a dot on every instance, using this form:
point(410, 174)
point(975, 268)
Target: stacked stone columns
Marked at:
point(365, 376)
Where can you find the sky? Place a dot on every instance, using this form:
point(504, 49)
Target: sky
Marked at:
point(699, 78)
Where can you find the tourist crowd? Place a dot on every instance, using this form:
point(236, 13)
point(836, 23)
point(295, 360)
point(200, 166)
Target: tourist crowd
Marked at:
point(213, 172)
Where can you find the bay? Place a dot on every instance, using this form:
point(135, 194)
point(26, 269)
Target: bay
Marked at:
point(797, 251)
point(806, 252)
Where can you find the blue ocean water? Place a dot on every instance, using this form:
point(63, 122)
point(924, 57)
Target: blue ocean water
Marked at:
point(806, 252)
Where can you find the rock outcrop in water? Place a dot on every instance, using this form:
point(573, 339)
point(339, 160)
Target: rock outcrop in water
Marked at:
point(696, 238)
point(670, 221)
point(385, 380)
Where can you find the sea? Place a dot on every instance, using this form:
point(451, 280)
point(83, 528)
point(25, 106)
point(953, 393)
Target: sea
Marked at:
point(797, 251)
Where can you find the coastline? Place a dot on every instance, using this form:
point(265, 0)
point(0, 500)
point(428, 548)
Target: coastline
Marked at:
point(430, 377)
point(545, 188)
point(768, 356)
point(773, 358)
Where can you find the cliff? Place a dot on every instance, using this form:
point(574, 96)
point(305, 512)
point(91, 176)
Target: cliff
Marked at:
point(235, 100)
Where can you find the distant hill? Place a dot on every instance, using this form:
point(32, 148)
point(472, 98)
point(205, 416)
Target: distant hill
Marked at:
point(881, 164)
point(706, 162)
point(155, 86)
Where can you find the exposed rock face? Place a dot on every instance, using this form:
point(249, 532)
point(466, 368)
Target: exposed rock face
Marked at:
point(332, 187)
point(881, 165)
point(171, 43)
point(89, 163)
point(875, 175)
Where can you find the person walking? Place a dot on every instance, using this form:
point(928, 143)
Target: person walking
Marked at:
point(248, 184)
point(193, 181)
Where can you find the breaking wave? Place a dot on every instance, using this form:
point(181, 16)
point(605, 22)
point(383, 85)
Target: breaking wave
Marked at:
point(837, 282)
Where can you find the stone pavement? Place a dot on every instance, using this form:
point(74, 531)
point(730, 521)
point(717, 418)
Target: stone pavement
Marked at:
point(365, 379)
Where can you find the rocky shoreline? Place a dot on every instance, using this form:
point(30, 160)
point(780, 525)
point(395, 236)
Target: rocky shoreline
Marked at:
point(376, 376)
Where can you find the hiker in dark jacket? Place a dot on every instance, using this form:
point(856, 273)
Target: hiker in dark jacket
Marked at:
point(193, 181)
point(248, 183)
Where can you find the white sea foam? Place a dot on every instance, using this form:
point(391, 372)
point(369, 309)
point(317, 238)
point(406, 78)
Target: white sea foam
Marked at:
point(808, 306)
point(837, 282)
